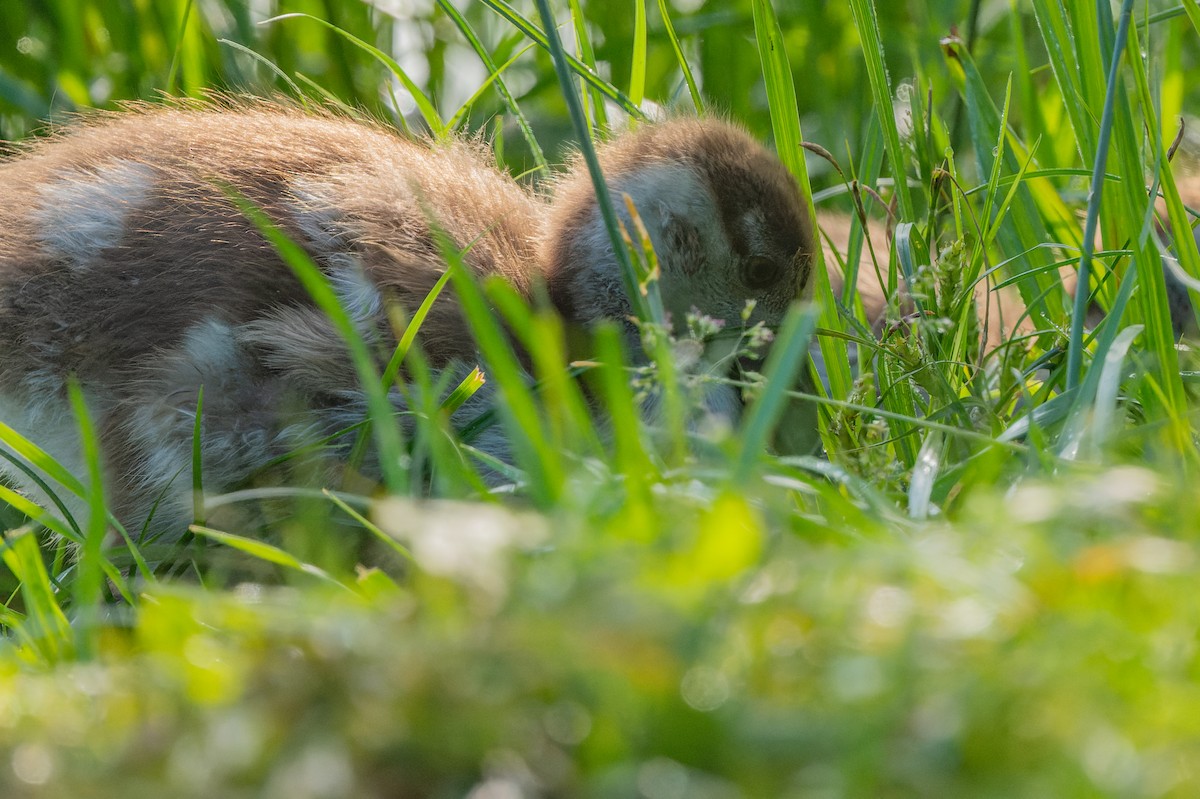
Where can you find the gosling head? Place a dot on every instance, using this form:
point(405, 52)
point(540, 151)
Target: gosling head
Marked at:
point(726, 220)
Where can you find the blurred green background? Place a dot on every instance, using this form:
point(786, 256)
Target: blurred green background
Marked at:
point(1032, 631)
point(62, 55)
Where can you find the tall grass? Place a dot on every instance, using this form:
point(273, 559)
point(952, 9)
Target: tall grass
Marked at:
point(982, 586)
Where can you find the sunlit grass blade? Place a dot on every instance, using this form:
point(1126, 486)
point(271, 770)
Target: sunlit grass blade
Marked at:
point(179, 46)
point(44, 628)
point(990, 218)
point(637, 67)
point(386, 431)
point(684, 66)
point(781, 371)
point(1192, 9)
point(587, 149)
point(519, 409)
point(589, 96)
point(1179, 221)
point(785, 123)
point(41, 460)
point(89, 585)
point(494, 75)
point(369, 526)
point(867, 23)
point(37, 513)
point(430, 114)
point(1061, 48)
point(333, 101)
point(781, 92)
point(866, 173)
point(924, 476)
point(457, 118)
point(1075, 345)
point(268, 553)
point(589, 76)
point(1022, 229)
point(466, 389)
point(1131, 218)
point(70, 527)
point(404, 345)
point(297, 92)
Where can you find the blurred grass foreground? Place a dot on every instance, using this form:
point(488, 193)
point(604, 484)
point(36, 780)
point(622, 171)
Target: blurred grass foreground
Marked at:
point(984, 586)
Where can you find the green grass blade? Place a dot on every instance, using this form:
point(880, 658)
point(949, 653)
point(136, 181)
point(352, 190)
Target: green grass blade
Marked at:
point(456, 119)
point(541, 336)
point(179, 37)
point(588, 75)
point(45, 628)
point(684, 66)
point(404, 346)
point(866, 22)
point(432, 118)
point(72, 527)
point(267, 553)
point(1075, 344)
point(1107, 387)
point(587, 149)
point(590, 96)
point(37, 513)
point(270, 65)
point(41, 460)
point(198, 462)
point(1061, 48)
point(637, 69)
point(628, 443)
point(379, 407)
point(1106, 338)
point(1163, 394)
point(369, 526)
point(785, 124)
point(781, 370)
point(494, 75)
point(466, 388)
point(1192, 9)
point(781, 91)
point(519, 410)
point(924, 476)
point(1022, 230)
point(88, 587)
point(332, 100)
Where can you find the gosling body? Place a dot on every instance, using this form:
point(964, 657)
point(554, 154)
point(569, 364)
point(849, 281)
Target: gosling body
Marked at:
point(125, 265)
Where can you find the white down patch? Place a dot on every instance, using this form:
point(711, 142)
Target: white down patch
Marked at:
point(659, 193)
point(162, 425)
point(754, 228)
point(47, 421)
point(84, 213)
point(316, 214)
point(358, 296)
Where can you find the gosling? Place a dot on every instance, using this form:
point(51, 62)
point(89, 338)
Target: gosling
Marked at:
point(125, 265)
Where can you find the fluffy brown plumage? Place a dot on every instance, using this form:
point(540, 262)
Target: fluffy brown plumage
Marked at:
point(123, 264)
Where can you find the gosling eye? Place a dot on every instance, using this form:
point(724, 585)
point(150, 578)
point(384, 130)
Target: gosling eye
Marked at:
point(760, 273)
